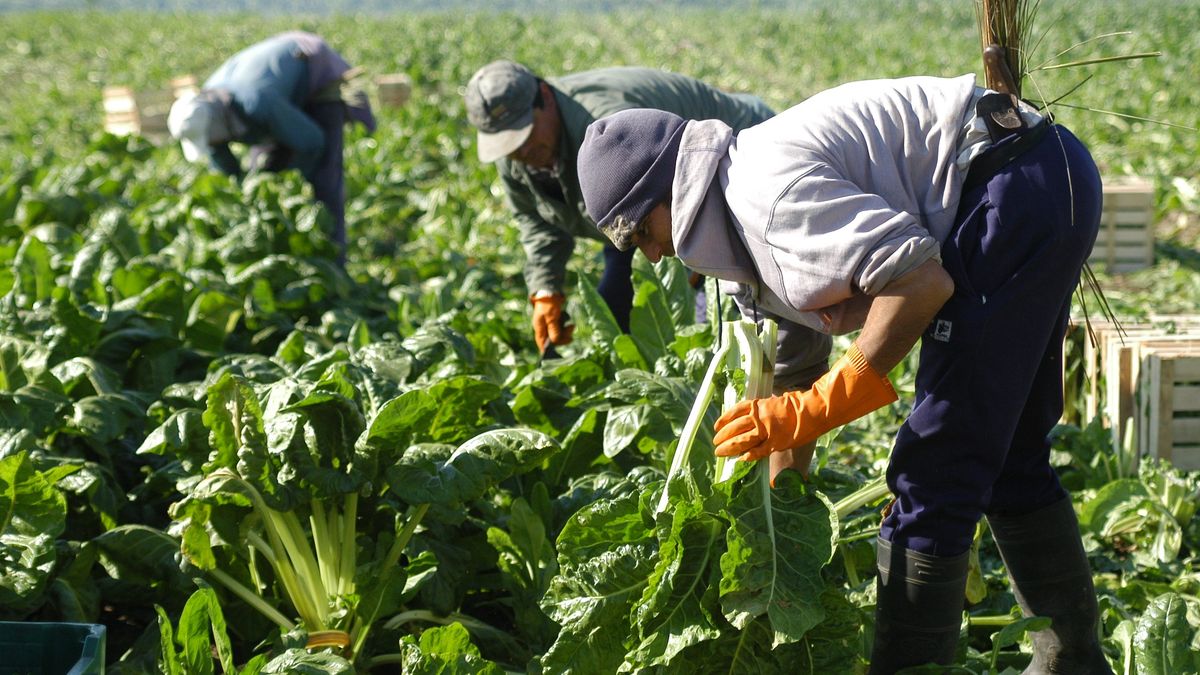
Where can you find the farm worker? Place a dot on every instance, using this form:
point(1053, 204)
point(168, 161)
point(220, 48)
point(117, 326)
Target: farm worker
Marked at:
point(283, 97)
point(532, 128)
point(913, 208)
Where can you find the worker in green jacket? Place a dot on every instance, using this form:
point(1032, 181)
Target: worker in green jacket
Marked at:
point(533, 127)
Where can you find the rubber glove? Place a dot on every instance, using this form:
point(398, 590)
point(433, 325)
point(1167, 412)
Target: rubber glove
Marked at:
point(758, 427)
point(547, 320)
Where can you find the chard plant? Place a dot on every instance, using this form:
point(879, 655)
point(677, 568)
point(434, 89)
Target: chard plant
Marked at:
point(33, 513)
point(294, 471)
point(710, 565)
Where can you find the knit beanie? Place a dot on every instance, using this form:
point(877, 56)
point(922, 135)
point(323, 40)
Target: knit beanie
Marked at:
point(626, 165)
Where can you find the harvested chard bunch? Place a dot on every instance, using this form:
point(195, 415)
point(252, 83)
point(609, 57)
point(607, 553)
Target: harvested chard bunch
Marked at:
point(710, 566)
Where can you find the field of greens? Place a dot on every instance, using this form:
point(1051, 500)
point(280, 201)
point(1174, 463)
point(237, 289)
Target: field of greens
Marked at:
point(221, 445)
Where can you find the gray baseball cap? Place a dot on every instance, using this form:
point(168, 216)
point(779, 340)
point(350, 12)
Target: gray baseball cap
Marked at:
point(500, 105)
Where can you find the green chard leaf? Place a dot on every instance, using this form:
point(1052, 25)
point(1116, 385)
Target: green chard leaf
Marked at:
point(779, 540)
point(446, 650)
point(234, 418)
point(442, 475)
point(1162, 638)
point(182, 436)
point(201, 622)
point(671, 616)
point(595, 313)
point(32, 515)
point(606, 555)
point(449, 411)
point(328, 460)
point(296, 661)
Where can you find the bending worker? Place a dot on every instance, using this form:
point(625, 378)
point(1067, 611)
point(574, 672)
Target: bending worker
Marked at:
point(914, 208)
point(283, 97)
point(533, 127)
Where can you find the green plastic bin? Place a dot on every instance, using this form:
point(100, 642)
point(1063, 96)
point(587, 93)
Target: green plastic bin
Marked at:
point(31, 648)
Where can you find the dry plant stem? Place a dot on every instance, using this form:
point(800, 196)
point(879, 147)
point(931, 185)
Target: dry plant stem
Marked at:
point(1006, 24)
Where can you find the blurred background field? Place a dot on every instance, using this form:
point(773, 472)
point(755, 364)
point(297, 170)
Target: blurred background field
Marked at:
point(54, 65)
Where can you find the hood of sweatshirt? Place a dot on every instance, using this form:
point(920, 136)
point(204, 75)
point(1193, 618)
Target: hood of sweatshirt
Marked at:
point(701, 228)
point(707, 238)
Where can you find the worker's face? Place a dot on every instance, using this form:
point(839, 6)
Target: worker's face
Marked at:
point(540, 150)
point(653, 235)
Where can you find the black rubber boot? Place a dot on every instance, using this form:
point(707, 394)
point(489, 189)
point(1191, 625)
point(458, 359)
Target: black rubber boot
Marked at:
point(918, 610)
point(1051, 577)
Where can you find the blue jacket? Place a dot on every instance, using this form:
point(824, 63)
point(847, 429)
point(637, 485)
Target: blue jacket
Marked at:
point(269, 84)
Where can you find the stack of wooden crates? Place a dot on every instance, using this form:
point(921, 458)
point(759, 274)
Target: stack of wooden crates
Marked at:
point(1143, 381)
point(1141, 378)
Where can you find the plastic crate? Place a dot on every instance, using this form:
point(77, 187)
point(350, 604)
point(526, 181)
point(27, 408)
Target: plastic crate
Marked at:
point(32, 648)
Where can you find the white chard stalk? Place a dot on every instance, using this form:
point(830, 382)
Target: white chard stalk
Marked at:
point(748, 352)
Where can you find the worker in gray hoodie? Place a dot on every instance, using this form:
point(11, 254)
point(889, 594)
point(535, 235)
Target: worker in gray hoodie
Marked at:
point(918, 208)
point(284, 98)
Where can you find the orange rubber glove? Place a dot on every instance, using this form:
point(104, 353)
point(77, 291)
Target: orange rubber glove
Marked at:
point(758, 427)
point(547, 321)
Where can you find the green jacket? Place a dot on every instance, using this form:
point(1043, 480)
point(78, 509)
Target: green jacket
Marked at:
point(549, 210)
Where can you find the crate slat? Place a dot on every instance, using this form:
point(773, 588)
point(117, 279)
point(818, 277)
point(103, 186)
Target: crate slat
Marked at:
point(1185, 431)
point(1186, 459)
point(1187, 398)
point(1188, 370)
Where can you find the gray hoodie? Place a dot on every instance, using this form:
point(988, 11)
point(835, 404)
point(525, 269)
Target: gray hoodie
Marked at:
point(814, 211)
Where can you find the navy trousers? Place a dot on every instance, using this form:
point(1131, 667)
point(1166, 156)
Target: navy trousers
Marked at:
point(989, 382)
point(327, 178)
point(616, 286)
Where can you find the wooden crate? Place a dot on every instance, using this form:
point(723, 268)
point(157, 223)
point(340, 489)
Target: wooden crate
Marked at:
point(1169, 404)
point(1100, 370)
point(184, 84)
point(1123, 370)
point(1126, 239)
point(1092, 380)
point(393, 90)
point(128, 111)
point(1083, 369)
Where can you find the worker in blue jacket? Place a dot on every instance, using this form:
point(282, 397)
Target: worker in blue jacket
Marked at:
point(283, 97)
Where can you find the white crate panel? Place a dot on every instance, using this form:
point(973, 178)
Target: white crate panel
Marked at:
point(1185, 431)
point(1186, 459)
point(1126, 239)
point(1169, 403)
